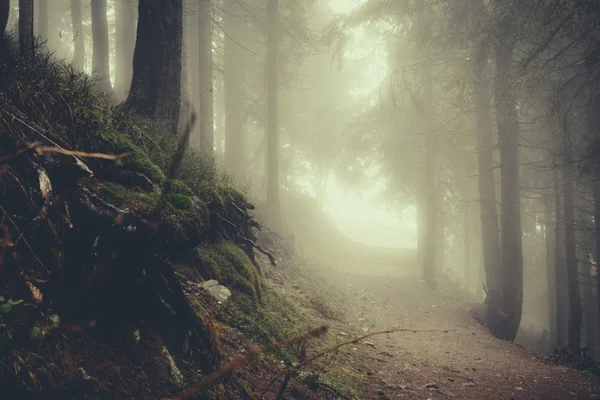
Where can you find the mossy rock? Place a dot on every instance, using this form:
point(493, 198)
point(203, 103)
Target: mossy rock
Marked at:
point(181, 201)
point(117, 143)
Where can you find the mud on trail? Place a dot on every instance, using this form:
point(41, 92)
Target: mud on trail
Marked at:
point(465, 363)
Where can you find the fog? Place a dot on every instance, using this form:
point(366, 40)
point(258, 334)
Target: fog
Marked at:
point(464, 133)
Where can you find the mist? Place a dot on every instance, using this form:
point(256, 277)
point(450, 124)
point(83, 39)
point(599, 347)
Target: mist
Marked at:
point(449, 148)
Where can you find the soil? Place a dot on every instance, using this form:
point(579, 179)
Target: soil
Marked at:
point(465, 363)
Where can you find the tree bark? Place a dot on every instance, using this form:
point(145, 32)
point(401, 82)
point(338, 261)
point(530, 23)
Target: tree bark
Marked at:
point(78, 35)
point(101, 55)
point(26, 43)
point(575, 314)
point(559, 264)
point(272, 83)
point(156, 82)
point(485, 163)
point(468, 273)
point(508, 138)
point(206, 138)
point(4, 13)
point(125, 27)
point(597, 244)
point(233, 87)
point(550, 263)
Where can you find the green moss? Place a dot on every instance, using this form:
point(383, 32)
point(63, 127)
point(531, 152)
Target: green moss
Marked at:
point(120, 196)
point(177, 186)
point(117, 143)
point(181, 202)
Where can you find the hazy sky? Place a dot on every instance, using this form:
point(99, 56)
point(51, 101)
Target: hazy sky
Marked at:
point(362, 217)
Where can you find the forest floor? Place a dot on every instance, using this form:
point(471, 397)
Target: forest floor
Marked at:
point(465, 363)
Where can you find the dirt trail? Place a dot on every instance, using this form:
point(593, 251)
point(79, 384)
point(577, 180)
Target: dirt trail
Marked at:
point(466, 363)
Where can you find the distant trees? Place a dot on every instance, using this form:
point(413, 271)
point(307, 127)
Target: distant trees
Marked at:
point(78, 36)
point(101, 55)
point(205, 77)
point(234, 66)
point(272, 137)
point(125, 28)
point(156, 81)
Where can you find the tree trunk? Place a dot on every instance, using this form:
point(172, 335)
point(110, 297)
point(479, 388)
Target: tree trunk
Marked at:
point(485, 164)
point(597, 243)
point(4, 13)
point(430, 203)
point(125, 27)
point(575, 317)
point(559, 264)
point(233, 86)
point(205, 77)
point(78, 35)
point(101, 56)
point(508, 139)
point(468, 273)
point(156, 82)
point(550, 264)
point(42, 20)
point(272, 84)
point(26, 43)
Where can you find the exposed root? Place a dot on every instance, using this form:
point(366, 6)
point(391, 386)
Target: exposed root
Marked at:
point(245, 358)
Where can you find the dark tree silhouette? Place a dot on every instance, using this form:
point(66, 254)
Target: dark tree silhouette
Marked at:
point(4, 12)
point(26, 43)
point(156, 82)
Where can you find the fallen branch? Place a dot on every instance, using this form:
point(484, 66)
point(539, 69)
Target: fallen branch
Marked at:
point(39, 150)
point(337, 346)
point(243, 359)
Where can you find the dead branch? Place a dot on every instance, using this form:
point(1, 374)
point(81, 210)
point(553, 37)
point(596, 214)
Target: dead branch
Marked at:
point(39, 150)
point(337, 346)
point(245, 358)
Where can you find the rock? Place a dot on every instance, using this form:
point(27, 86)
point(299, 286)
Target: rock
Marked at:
point(445, 393)
point(219, 292)
point(467, 384)
point(369, 344)
point(345, 334)
point(431, 385)
point(210, 283)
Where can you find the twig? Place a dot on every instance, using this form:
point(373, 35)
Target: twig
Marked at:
point(36, 147)
point(21, 236)
point(349, 341)
point(243, 359)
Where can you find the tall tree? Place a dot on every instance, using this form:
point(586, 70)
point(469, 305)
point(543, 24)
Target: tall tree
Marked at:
point(485, 159)
point(156, 82)
point(272, 82)
point(575, 314)
point(78, 35)
point(205, 77)
point(26, 43)
point(559, 263)
point(4, 12)
point(508, 141)
point(550, 259)
point(125, 24)
point(101, 55)
point(234, 25)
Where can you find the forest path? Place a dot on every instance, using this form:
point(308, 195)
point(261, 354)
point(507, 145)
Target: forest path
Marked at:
point(465, 363)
